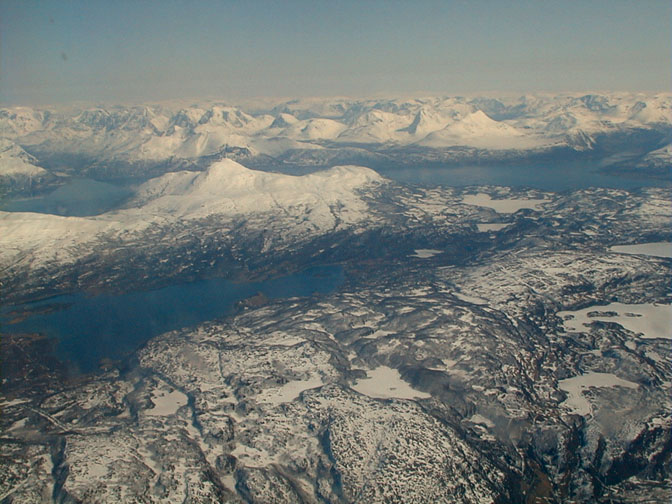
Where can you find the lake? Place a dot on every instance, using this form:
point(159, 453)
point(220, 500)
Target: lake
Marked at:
point(89, 328)
point(80, 197)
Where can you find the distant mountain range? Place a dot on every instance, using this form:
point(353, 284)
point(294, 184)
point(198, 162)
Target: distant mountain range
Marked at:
point(619, 129)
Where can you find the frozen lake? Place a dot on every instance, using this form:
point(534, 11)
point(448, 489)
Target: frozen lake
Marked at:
point(647, 320)
point(386, 383)
point(656, 249)
point(502, 205)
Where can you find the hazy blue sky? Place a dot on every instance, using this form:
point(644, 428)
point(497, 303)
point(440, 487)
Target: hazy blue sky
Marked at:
point(60, 50)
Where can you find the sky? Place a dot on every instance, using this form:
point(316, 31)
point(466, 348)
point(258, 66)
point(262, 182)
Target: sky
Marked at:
point(60, 51)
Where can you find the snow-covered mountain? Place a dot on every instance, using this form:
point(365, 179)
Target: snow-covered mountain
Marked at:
point(290, 209)
point(171, 136)
point(228, 188)
point(479, 130)
point(18, 169)
point(14, 161)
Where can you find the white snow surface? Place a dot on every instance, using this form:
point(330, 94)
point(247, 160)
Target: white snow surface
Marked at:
point(470, 299)
point(386, 383)
point(425, 253)
point(166, 403)
point(228, 188)
point(32, 238)
point(485, 227)
point(657, 249)
point(648, 320)
point(502, 205)
point(577, 402)
point(289, 391)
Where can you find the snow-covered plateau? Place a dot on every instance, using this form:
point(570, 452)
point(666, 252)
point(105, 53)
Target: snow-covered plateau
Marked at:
point(488, 343)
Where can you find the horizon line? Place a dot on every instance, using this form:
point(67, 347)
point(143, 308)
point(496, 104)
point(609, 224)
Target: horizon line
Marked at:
point(213, 99)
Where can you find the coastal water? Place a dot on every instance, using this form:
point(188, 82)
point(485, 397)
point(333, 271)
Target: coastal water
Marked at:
point(556, 176)
point(80, 197)
point(90, 328)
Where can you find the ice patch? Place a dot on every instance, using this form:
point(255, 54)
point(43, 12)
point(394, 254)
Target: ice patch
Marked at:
point(13, 402)
point(470, 299)
point(229, 482)
point(285, 340)
point(386, 383)
point(657, 249)
point(502, 205)
point(485, 227)
point(425, 253)
point(166, 404)
point(19, 424)
point(380, 333)
point(289, 391)
point(575, 386)
point(649, 320)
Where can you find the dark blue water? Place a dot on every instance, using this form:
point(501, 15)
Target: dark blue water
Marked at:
point(111, 326)
point(556, 176)
point(77, 198)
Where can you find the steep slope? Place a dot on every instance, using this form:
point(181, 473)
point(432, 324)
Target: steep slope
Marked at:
point(426, 121)
point(15, 162)
point(19, 171)
point(373, 126)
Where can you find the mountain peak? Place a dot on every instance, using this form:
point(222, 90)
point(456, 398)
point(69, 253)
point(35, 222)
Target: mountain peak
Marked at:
point(227, 187)
point(283, 120)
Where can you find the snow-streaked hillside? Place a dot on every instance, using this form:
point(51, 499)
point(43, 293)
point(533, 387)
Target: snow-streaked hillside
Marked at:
point(15, 162)
point(19, 171)
point(295, 206)
point(662, 156)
